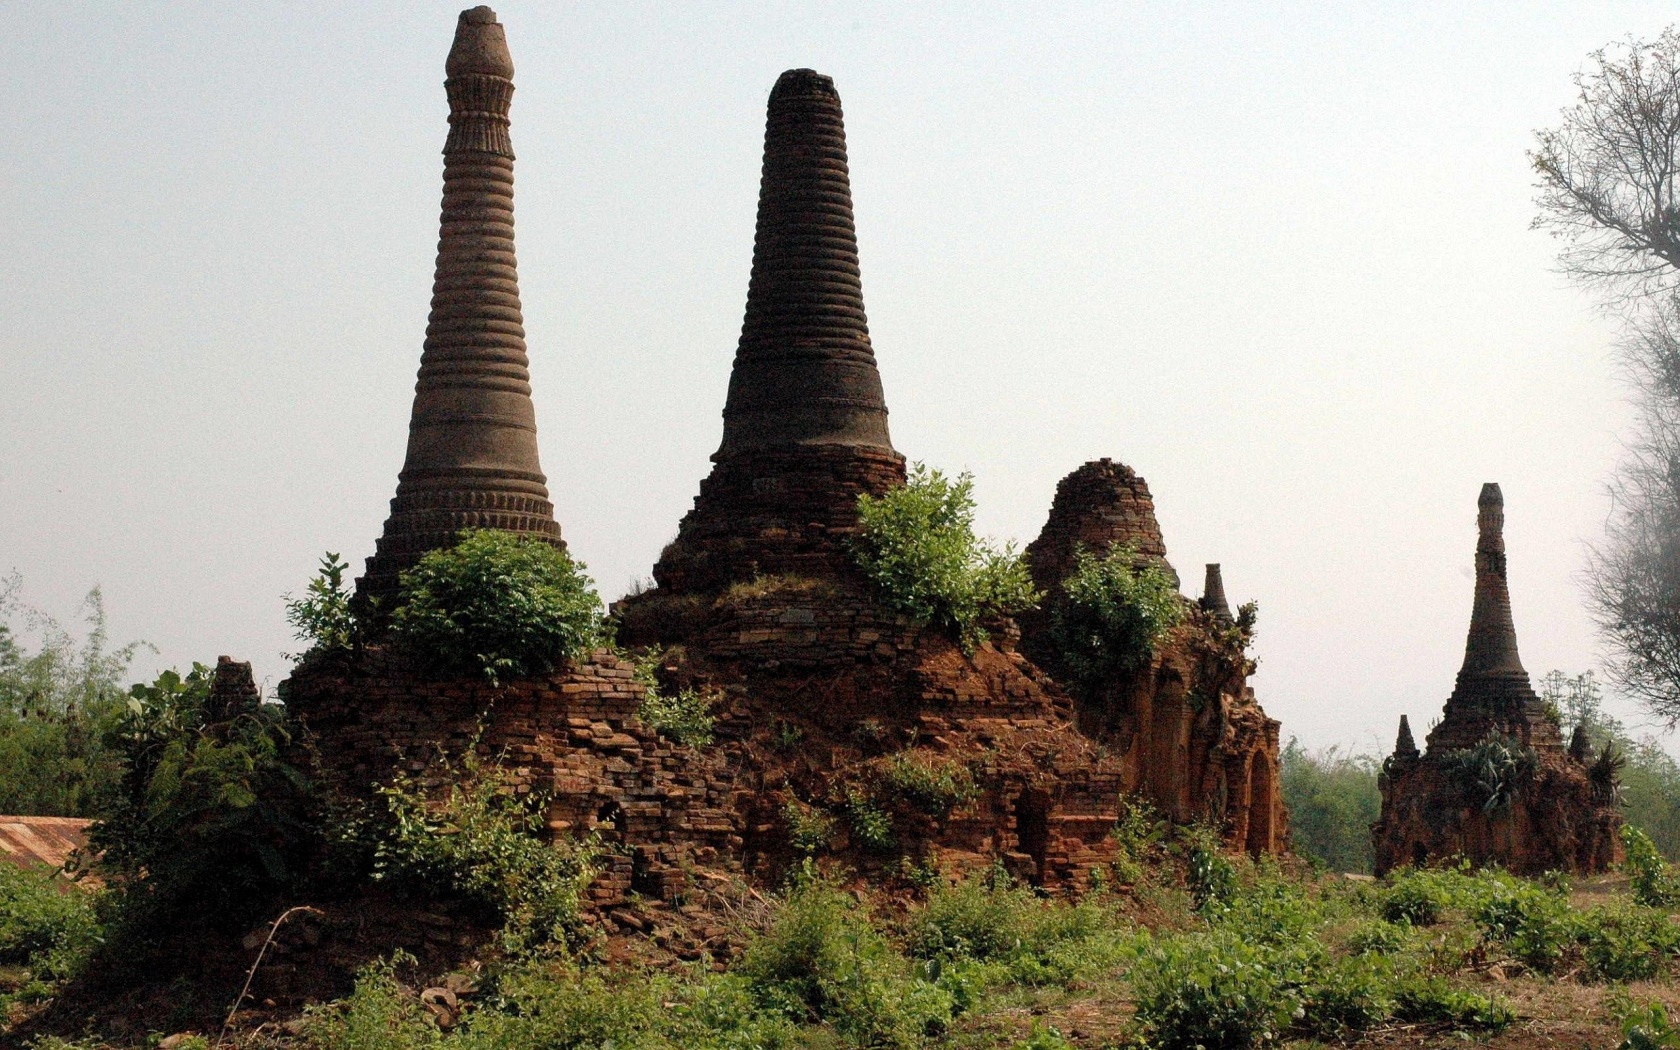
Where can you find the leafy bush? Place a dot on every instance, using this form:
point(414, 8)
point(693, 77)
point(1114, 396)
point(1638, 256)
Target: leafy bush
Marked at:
point(378, 1015)
point(933, 785)
point(480, 841)
point(1138, 836)
point(810, 830)
point(210, 807)
point(44, 927)
point(1627, 943)
point(325, 616)
point(1535, 924)
point(1648, 1028)
point(685, 717)
point(977, 918)
point(1214, 990)
point(1210, 875)
point(871, 826)
point(1432, 1000)
point(1654, 882)
point(1379, 936)
point(1349, 994)
point(498, 604)
point(823, 961)
point(1417, 897)
point(1114, 612)
point(917, 545)
point(1333, 800)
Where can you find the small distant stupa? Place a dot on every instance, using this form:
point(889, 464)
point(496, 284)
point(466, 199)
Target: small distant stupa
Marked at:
point(1543, 814)
point(472, 437)
point(805, 422)
point(1213, 595)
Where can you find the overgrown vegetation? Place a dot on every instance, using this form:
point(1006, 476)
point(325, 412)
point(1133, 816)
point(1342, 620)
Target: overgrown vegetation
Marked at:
point(47, 931)
point(481, 842)
point(685, 715)
point(1115, 611)
point(1268, 958)
point(498, 604)
point(917, 545)
point(210, 807)
point(1490, 773)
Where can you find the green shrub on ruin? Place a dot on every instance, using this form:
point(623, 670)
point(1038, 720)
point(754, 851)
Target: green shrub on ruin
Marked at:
point(810, 830)
point(684, 716)
point(1115, 610)
point(498, 604)
point(483, 842)
point(917, 545)
point(871, 826)
point(931, 784)
point(325, 616)
point(1492, 772)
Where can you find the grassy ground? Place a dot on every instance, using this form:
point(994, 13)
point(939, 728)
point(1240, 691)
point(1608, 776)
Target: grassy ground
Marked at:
point(1195, 949)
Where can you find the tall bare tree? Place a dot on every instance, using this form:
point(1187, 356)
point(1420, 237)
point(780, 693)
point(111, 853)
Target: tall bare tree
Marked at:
point(1608, 172)
point(1608, 189)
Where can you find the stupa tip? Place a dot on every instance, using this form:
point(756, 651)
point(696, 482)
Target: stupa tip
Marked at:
point(480, 46)
point(1491, 495)
point(803, 82)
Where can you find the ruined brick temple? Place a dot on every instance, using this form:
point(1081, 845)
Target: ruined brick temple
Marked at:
point(816, 687)
point(1496, 783)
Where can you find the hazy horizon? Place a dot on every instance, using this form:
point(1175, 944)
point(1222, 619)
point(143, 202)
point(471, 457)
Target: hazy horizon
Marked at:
point(1277, 261)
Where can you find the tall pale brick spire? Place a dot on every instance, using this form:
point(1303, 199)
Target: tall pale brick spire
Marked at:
point(472, 437)
point(805, 423)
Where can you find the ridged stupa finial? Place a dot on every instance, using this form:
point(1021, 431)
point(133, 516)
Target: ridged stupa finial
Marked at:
point(805, 422)
point(472, 437)
point(804, 368)
point(1213, 594)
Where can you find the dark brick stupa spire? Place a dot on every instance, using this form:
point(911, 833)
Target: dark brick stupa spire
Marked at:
point(472, 438)
point(804, 369)
point(1493, 691)
point(805, 424)
point(1213, 594)
point(1404, 746)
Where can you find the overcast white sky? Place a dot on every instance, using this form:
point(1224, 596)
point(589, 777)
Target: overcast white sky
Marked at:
point(1275, 257)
